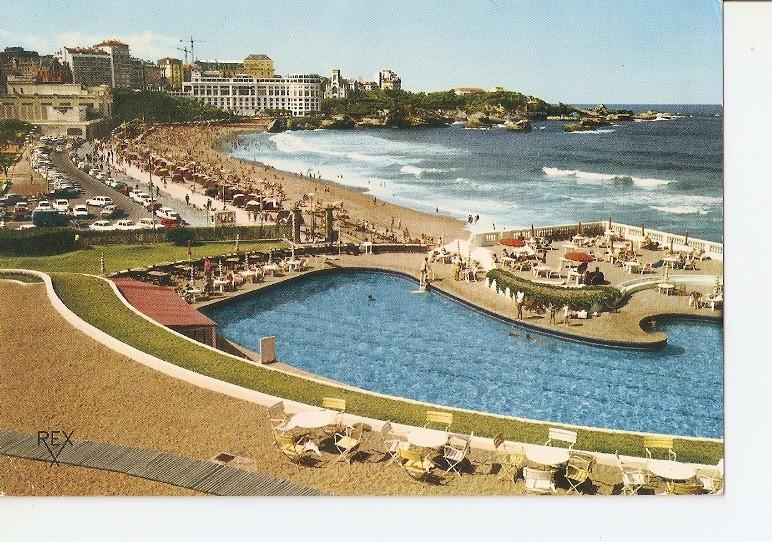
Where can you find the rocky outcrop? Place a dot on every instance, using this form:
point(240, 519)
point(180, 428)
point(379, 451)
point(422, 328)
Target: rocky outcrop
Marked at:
point(586, 124)
point(522, 125)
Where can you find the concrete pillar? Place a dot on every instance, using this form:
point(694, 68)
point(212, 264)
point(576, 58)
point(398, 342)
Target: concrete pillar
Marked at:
point(297, 218)
point(329, 233)
point(267, 349)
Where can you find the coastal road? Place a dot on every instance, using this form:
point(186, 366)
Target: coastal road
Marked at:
point(132, 210)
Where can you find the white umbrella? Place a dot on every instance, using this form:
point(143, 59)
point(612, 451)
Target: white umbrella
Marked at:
point(219, 265)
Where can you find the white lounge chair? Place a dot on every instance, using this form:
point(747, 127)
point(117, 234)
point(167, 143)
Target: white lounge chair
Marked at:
point(562, 435)
point(539, 482)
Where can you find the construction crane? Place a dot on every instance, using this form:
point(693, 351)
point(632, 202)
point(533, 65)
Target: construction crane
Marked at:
point(191, 41)
point(184, 50)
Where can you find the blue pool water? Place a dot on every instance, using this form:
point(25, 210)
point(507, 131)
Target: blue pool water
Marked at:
point(431, 348)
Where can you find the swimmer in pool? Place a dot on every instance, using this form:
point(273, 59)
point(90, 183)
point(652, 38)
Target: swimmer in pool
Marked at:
point(370, 297)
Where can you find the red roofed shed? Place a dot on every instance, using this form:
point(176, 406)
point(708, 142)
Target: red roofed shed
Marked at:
point(163, 305)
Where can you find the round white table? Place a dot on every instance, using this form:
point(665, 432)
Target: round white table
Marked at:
point(671, 470)
point(665, 288)
point(546, 455)
point(312, 419)
point(270, 267)
point(427, 438)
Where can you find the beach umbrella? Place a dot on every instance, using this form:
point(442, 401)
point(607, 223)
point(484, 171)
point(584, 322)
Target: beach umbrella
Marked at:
point(512, 242)
point(192, 276)
point(219, 266)
point(578, 257)
point(237, 241)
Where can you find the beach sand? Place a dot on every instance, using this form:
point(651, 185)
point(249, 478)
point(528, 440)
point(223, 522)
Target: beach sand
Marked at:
point(203, 144)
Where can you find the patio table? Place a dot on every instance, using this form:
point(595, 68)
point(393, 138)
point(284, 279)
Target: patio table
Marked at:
point(220, 284)
point(630, 266)
point(270, 267)
point(312, 419)
point(547, 455)
point(671, 470)
point(427, 438)
point(665, 288)
point(293, 264)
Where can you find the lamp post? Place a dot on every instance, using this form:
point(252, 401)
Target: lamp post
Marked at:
point(150, 182)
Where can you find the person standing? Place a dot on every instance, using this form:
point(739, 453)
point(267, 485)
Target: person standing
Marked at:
point(519, 300)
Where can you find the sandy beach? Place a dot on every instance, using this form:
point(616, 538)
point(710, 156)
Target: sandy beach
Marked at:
point(202, 144)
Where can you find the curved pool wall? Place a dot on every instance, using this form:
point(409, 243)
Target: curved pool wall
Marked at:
point(432, 348)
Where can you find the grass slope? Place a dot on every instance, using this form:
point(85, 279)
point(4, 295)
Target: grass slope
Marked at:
point(94, 301)
point(118, 257)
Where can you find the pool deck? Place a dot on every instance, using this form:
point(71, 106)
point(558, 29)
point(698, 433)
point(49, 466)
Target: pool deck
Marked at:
point(619, 329)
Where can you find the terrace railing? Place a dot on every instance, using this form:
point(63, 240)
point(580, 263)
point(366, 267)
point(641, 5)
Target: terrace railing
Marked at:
point(634, 233)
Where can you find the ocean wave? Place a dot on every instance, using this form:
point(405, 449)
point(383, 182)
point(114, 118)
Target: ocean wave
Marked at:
point(598, 131)
point(291, 144)
point(681, 210)
point(588, 177)
point(418, 171)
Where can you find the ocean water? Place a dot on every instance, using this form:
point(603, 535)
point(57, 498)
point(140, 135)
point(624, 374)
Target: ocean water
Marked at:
point(666, 174)
point(431, 348)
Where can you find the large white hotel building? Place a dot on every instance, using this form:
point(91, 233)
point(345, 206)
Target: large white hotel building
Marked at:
point(246, 95)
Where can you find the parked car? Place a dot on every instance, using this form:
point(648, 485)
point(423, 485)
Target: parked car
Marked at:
point(170, 223)
point(139, 195)
point(80, 211)
point(127, 225)
point(13, 199)
point(102, 225)
point(168, 212)
point(111, 211)
point(62, 205)
point(48, 217)
point(153, 206)
point(21, 211)
point(99, 201)
point(26, 227)
point(148, 223)
point(44, 204)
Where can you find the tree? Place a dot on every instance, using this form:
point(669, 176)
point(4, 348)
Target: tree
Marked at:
point(12, 134)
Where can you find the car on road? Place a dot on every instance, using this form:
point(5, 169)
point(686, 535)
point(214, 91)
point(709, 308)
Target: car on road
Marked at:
point(62, 205)
point(111, 211)
point(21, 211)
point(102, 225)
point(169, 213)
point(12, 199)
point(127, 225)
point(170, 223)
point(99, 201)
point(80, 211)
point(138, 195)
point(26, 227)
point(44, 204)
point(153, 206)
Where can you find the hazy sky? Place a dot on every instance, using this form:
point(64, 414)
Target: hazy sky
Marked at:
point(580, 51)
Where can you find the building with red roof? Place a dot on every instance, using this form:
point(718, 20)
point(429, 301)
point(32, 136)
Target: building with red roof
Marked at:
point(166, 307)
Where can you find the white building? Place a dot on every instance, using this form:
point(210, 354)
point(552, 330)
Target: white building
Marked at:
point(245, 95)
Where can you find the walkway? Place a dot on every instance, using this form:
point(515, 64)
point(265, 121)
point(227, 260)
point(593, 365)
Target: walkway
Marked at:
point(196, 474)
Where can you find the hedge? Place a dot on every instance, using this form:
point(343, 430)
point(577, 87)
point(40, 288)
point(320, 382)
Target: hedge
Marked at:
point(38, 242)
point(180, 236)
point(545, 294)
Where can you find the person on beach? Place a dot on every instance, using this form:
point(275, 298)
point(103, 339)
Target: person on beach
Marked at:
point(566, 312)
point(553, 311)
point(519, 301)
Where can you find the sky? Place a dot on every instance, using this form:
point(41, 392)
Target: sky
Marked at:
point(576, 51)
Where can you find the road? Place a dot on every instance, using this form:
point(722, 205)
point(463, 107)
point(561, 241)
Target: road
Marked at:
point(132, 210)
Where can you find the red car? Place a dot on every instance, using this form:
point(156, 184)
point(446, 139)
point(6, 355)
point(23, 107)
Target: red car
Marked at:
point(170, 223)
point(153, 206)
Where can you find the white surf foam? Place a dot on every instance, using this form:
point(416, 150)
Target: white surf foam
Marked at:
point(598, 131)
point(418, 171)
point(589, 177)
point(681, 210)
point(291, 144)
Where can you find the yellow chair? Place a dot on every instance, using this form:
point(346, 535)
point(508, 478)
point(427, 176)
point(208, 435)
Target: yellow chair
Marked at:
point(684, 488)
point(348, 442)
point(294, 450)
point(415, 465)
point(578, 470)
point(277, 416)
point(659, 442)
point(511, 463)
point(333, 403)
point(439, 418)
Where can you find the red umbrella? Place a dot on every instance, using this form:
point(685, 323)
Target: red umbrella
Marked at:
point(512, 242)
point(578, 256)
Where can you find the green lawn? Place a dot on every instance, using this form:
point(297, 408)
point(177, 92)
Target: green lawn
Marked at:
point(118, 257)
point(93, 300)
point(21, 277)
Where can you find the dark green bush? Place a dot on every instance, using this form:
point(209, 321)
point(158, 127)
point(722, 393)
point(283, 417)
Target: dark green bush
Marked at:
point(179, 236)
point(37, 242)
point(545, 294)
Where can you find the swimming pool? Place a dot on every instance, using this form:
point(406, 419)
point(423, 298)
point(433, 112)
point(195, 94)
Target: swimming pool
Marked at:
point(431, 348)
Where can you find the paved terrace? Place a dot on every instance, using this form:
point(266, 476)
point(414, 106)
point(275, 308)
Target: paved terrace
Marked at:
point(624, 325)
